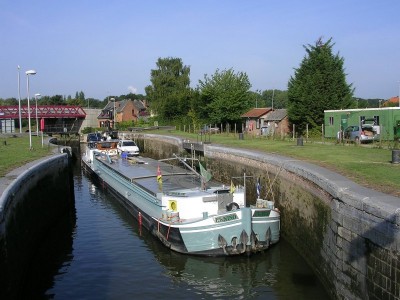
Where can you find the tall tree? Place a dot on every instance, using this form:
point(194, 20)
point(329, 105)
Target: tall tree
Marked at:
point(318, 84)
point(169, 94)
point(81, 96)
point(225, 96)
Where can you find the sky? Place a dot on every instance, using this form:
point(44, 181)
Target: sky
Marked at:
point(108, 48)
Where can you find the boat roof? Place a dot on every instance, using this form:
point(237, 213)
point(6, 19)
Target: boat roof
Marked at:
point(175, 180)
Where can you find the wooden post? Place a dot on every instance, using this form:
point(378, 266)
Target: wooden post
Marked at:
point(293, 133)
point(306, 132)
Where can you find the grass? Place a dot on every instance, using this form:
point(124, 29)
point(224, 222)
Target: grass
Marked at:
point(368, 165)
point(14, 152)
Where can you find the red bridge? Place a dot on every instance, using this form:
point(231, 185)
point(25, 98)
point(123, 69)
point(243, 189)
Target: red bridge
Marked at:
point(52, 118)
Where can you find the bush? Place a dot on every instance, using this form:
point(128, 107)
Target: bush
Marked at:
point(91, 129)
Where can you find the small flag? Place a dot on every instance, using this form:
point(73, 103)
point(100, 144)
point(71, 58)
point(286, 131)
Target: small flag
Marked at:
point(159, 176)
point(205, 174)
point(232, 190)
point(258, 188)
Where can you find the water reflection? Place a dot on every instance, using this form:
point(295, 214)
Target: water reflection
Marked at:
point(51, 259)
point(279, 273)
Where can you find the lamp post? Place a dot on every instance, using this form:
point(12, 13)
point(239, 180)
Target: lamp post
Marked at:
point(30, 72)
point(113, 100)
point(37, 124)
point(399, 93)
point(19, 102)
point(273, 94)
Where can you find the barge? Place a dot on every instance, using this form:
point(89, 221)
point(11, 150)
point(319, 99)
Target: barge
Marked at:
point(185, 211)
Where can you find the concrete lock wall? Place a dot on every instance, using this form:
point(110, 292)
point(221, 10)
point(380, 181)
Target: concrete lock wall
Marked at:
point(32, 201)
point(350, 235)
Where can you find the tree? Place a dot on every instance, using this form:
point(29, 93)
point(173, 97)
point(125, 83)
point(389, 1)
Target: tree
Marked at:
point(169, 94)
point(9, 101)
point(274, 98)
point(56, 99)
point(318, 84)
point(81, 96)
point(132, 96)
point(225, 96)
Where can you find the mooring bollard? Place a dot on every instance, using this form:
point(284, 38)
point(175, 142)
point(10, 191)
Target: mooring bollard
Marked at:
point(395, 156)
point(300, 141)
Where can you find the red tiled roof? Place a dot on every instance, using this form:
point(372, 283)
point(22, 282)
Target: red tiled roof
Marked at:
point(256, 112)
point(394, 100)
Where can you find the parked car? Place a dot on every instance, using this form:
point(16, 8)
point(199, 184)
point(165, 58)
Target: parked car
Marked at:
point(361, 134)
point(93, 137)
point(129, 147)
point(208, 129)
point(264, 130)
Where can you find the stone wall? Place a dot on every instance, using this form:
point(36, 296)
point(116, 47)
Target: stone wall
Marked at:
point(350, 235)
point(31, 203)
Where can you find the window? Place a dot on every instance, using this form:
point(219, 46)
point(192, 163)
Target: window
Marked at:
point(369, 120)
point(330, 120)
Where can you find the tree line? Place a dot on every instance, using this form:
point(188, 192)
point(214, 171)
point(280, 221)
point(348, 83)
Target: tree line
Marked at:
point(79, 100)
point(318, 84)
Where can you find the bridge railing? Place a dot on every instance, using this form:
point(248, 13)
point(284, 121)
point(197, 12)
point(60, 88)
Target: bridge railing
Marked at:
point(59, 129)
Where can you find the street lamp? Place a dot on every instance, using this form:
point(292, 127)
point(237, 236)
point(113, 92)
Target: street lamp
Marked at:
point(113, 100)
point(19, 103)
point(30, 72)
point(399, 93)
point(37, 124)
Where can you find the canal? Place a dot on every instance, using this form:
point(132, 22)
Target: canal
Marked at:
point(103, 254)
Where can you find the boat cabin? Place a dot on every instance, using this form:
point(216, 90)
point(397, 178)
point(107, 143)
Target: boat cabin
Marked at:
point(107, 147)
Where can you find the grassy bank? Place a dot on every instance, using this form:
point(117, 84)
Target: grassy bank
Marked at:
point(14, 152)
point(369, 166)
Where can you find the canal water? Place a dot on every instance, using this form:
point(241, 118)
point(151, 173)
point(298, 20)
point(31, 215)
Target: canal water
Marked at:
point(103, 254)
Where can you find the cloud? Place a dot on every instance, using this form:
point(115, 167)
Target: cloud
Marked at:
point(132, 89)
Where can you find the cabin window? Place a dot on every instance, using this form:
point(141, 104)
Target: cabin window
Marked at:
point(369, 120)
point(226, 191)
point(330, 120)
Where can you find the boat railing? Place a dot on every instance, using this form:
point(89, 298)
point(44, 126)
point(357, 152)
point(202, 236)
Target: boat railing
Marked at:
point(105, 155)
point(155, 175)
point(183, 161)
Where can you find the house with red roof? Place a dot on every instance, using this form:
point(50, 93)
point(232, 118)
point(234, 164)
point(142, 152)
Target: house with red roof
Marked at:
point(125, 110)
point(394, 101)
point(266, 121)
